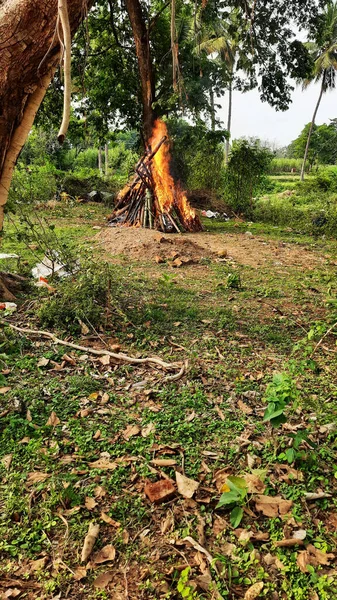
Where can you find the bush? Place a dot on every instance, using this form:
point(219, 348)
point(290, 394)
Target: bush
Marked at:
point(197, 156)
point(86, 298)
point(280, 166)
point(247, 166)
point(36, 183)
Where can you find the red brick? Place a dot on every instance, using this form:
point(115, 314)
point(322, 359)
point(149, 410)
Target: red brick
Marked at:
point(160, 491)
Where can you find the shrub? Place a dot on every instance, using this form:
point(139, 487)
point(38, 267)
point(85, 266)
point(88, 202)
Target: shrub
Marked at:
point(36, 183)
point(85, 297)
point(247, 165)
point(279, 166)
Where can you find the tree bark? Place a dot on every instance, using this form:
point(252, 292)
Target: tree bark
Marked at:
point(106, 161)
point(100, 160)
point(229, 120)
point(143, 51)
point(311, 127)
point(29, 55)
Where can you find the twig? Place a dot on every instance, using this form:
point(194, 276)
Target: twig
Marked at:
point(322, 338)
point(151, 360)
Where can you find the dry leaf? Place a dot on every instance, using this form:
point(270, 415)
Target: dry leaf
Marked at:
point(105, 398)
point(99, 492)
point(244, 408)
point(4, 390)
point(254, 591)
point(104, 555)
point(42, 362)
point(103, 580)
point(312, 556)
point(254, 483)
point(126, 535)
point(36, 477)
point(97, 435)
point(89, 541)
point(168, 523)
point(104, 360)
point(93, 396)
point(148, 429)
point(163, 462)
point(80, 573)
point(90, 503)
point(29, 416)
point(220, 413)
point(300, 534)
point(131, 431)
point(84, 328)
point(190, 417)
point(288, 543)
point(11, 593)
point(53, 419)
point(109, 520)
point(7, 461)
point(186, 487)
point(272, 506)
point(104, 464)
point(37, 565)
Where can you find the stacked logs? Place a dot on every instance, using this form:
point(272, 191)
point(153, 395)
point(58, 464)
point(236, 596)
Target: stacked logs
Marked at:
point(138, 206)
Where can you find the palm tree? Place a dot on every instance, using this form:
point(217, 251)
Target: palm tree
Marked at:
point(324, 55)
point(222, 42)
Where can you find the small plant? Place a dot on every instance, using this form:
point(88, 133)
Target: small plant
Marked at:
point(233, 281)
point(185, 590)
point(234, 492)
point(280, 393)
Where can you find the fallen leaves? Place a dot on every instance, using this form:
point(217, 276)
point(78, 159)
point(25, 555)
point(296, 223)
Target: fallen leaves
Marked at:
point(103, 580)
point(311, 556)
point(7, 461)
point(36, 477)
point(109, 520)
point(244, 408)
point(90, 503)
point(186, 487)
point(53, 420)
point(104, 464)
point(272, 506)
point(131, 431)
point(89, 541)
point(254, 591)
point(108, 553)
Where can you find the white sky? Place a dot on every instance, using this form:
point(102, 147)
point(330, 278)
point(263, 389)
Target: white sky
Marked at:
point(253, 118)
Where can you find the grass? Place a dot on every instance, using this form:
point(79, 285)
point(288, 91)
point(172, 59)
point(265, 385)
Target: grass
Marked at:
point(234, 339)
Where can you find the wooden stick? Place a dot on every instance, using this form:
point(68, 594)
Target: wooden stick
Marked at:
point(152, 360)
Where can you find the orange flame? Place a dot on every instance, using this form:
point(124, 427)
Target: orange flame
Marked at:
point(167, 192)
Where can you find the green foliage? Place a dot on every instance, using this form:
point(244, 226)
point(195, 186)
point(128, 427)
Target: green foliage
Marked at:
point(233, 281)
point(86, 297)
point(198, 156)
point(280, 393)
point(34, 183)
point(278, 166)
point(235, 492)
point(323, 144)
point(248, 162)
point(184, 589)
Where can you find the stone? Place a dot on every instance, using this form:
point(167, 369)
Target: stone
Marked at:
point(177, 263)
point(94, 196)
point(160, 491)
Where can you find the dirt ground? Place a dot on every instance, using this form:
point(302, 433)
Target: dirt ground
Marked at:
point(245, 249)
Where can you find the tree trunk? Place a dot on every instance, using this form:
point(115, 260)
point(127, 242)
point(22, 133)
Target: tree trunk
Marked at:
point(311, 127)
point(100, 160)
point(211, 96)
point(106, 166)
point(229, 120)
point(146, 73)
point(29, 55)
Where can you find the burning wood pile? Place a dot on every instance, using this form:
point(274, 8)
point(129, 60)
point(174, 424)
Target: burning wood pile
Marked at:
point(152, 199)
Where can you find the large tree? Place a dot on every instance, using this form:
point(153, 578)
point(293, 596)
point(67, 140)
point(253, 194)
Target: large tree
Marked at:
point(29, 55)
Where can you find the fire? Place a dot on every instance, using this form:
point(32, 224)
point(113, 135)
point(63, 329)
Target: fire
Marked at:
point(168, 193)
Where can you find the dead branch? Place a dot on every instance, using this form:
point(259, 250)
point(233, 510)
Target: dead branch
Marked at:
point(64, 21)
point(151, 360)
point(323, 338)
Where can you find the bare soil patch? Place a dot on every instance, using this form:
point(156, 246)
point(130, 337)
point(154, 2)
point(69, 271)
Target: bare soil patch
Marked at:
point(145, 244)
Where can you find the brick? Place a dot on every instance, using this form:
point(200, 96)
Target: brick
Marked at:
point(161, 491)
point(159, 259)
point(177, 263)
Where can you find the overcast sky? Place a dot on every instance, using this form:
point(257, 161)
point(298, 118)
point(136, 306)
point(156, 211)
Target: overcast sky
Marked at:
point(251, 117)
